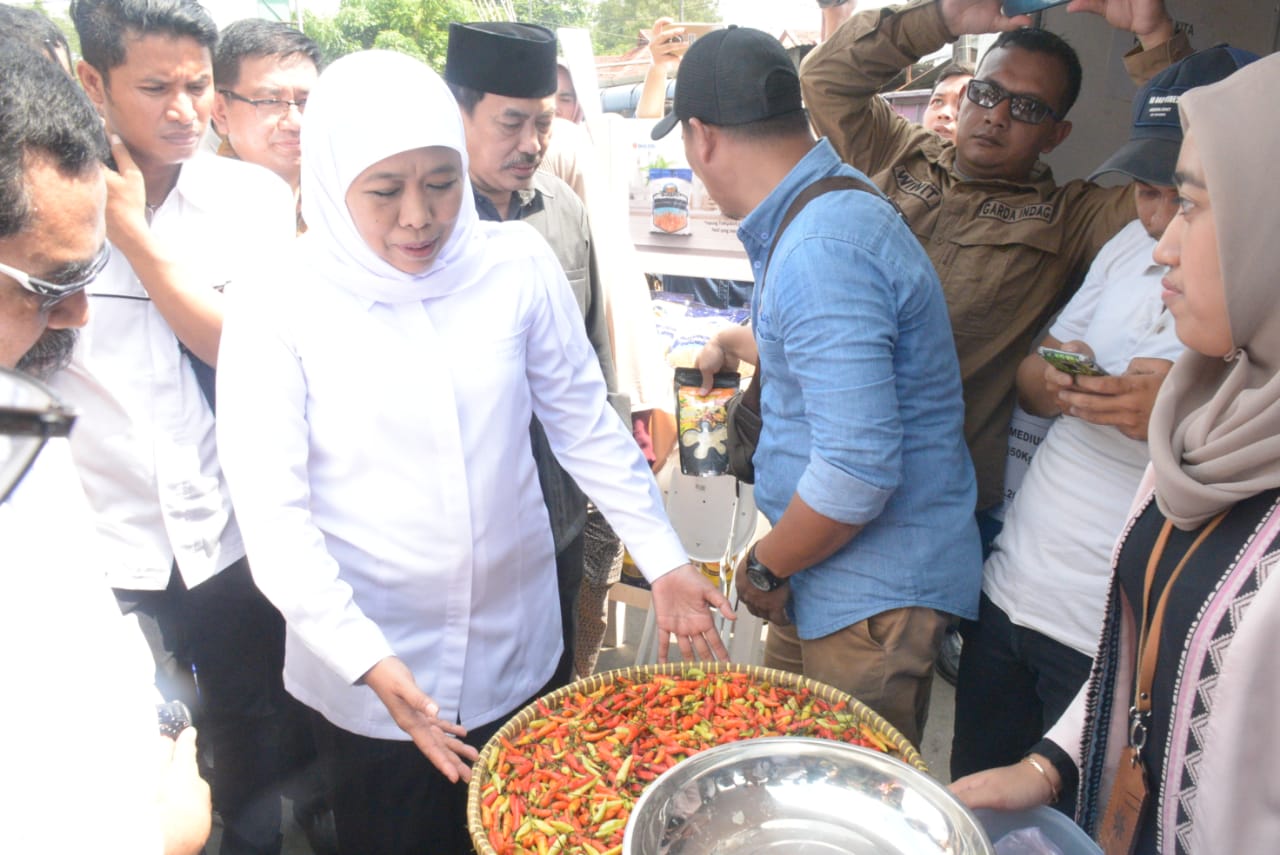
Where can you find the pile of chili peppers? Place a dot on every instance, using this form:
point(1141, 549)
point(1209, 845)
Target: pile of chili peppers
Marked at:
point(566, 783)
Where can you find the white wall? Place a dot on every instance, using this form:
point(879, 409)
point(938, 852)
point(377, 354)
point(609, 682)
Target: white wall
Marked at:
point(1102, 116)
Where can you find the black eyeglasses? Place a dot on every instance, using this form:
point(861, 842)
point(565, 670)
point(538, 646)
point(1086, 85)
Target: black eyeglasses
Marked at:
point(268, 108)
point(75, 279)
point(1023, 108)
point(30, 415)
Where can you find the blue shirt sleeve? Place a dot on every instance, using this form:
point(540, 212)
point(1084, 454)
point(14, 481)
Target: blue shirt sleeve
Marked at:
point(836, 313)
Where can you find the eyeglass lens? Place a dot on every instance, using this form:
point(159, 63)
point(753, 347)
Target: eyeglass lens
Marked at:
point(1024, 108)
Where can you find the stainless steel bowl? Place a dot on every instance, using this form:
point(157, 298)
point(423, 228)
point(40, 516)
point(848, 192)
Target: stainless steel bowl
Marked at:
point(798, 796)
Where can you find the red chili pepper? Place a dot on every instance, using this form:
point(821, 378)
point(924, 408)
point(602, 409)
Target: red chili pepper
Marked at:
point(559, 776)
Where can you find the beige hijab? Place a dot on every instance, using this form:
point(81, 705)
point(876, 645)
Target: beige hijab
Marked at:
point(1215, 428)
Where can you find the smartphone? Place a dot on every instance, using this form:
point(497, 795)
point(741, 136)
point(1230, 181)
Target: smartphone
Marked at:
point(174, 717)
point(1010, 8)
point(1072, 363)
point(692, 31)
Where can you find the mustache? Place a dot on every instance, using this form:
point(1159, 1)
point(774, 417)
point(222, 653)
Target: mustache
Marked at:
point(50, 354)
point(523, 160)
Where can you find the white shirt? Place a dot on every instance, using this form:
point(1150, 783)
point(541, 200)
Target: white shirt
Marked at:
point(380, 463)
point(1050, 565)
point(144, 442)
point(80, 736)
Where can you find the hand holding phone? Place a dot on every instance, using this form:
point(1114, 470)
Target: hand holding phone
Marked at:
point(692, 31)
point(1068, 362)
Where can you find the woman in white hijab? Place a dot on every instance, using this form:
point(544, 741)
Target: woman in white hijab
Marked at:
point(375, 392)
point(1173, 742)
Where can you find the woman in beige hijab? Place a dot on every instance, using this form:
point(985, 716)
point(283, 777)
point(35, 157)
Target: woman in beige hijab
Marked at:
point(1194, 615)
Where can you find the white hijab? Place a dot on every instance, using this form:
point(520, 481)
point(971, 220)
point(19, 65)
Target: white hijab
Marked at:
point(366, 107)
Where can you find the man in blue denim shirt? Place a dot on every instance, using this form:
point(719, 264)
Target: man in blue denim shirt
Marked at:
point(861, 466)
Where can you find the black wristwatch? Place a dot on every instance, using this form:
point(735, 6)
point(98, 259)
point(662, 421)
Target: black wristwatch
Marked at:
point(759, 576)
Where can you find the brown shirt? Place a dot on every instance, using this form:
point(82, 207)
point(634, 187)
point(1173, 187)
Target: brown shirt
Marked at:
point(1008, 254)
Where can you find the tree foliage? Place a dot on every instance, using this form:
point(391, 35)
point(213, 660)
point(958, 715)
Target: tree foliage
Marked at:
point(420, 28)
point(617, 22)
point(550, 13)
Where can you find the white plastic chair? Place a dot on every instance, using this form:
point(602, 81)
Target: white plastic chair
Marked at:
point(715, 518)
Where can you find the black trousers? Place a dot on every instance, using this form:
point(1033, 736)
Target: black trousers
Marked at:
point(1013, 686)
point(219, 647)
point(569, 571)
point(387, 797)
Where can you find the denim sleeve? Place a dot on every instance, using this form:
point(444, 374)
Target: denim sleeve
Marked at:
point(836, 312)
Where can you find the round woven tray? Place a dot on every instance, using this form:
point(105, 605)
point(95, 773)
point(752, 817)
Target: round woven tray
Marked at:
point(785, 679)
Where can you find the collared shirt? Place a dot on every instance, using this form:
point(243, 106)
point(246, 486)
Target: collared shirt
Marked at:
point(1008, 253)
point(557, 214)
point(394, 509)
point(225, 149)
point(144, 442)
point(1052, 577)
point(861, 404)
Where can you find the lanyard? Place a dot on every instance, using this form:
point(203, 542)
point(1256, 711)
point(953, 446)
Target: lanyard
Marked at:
point(1149, 633)
point(1118, 833)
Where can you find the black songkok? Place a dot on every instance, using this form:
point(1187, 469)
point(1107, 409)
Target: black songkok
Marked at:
point(501, 58)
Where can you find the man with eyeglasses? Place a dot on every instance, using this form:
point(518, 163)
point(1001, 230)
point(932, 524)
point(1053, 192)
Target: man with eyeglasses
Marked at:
point(1008, 242)
point(1045, 584)
point(91, 772)
point(180, 230)
point(263, 72)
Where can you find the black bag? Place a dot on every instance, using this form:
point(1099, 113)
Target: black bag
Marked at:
point(742, 417)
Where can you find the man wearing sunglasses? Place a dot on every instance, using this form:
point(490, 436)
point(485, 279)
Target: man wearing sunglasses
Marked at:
point(95, 774)
point(182, 224)
point(51, 229)
point(1008, 242)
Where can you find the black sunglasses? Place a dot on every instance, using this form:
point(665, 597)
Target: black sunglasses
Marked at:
point(76, 279)
point(1023, 108)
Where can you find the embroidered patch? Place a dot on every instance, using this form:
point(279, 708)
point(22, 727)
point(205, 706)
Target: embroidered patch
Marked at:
point(929, 193)
point(997, 210)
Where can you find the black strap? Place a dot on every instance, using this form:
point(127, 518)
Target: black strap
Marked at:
point(818, 188)
point(206, 377)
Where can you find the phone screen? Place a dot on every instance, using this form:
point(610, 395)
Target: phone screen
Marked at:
point(1072, 363)
point(1028, 7)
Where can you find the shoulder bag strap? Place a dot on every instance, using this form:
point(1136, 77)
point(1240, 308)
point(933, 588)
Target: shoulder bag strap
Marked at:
point(818, 188)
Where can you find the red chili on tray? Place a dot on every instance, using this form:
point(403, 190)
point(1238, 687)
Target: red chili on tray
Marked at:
point(567, 782)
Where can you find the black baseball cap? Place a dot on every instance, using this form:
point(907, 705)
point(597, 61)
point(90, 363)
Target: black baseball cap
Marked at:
point(733, 76)
point(1151, 153)
point(502, 58)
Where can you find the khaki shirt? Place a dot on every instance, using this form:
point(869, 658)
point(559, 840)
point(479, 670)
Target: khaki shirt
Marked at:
point(1009, 254)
